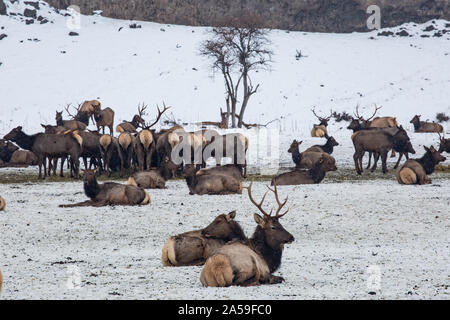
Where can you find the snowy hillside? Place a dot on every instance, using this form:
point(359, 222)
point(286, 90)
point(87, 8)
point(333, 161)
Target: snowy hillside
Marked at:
point(43, 69)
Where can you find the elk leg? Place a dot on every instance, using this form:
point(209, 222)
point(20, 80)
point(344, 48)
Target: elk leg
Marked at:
point(376, 156)
point(356, 159)
point(370, 158)
point(383, 161)
point(87, 203)
point(85, 163)
point(398, 161)
point(61, 174)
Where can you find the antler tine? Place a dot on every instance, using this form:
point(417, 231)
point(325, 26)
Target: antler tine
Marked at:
point(314, 111)
point(376, 110)
point(160, 113)
point(329, 117)
point(280, 204)
point(357, 113)
point(258, 205)
point(67, 110)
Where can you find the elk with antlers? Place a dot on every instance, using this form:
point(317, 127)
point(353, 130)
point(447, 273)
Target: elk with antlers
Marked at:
point(194, 247)
point(253, 261)
point(145, 142)
point(320, 130)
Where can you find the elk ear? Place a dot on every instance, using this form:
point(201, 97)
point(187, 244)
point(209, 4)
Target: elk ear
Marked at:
point(300, 142)
point(231, 215)
point(432, 149)
point(259, 220)
point(43, 125)
point(426, 149)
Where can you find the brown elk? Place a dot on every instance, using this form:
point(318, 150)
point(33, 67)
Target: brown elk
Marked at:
point(422, 126)
point(444, 144)
point(135, 123)
point(53, 162)
point(415, 171)
point(69, 124)
point(154, 178)
point(320, 130)
point(89, 107)
point(145, 143)
point(307, 159)
point(167, 141)
point(110, 193)
point(218, 184)
point(194, 247)
point(2, 205)
point(311, 176)
point(104, 118)
point(379, 142)
point(23, 158)
point(110, 150)
point(253, 261)
point(227, 170)
point(49, 146)
point(328, 147)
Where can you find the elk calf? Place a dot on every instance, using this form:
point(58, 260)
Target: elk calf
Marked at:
point(250, 262)
point(2, 204)
point(314, 175)
point(218, 184)
point(194, 247)
point(415, 171)
point(110, 193)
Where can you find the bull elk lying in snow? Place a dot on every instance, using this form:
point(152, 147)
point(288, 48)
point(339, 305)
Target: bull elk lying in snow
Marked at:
point(2, 204)
point(194, 247)
point(415, 171)
point(218, 184)
point(251, 261)
point(320, 130)
point(422, 126)
point(311, 176)
point(110, 193)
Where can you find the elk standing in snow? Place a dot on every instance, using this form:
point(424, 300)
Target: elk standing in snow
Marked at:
point(194, 247)
point(250, 262)
point(104, 118)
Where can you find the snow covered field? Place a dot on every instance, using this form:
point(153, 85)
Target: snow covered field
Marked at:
point(343, 231)
point(346, 229)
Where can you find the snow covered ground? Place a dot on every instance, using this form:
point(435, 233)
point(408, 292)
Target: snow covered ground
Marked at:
point(344, 234)
point(344, 230)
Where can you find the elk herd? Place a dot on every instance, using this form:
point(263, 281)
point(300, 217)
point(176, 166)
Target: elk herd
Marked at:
point(152, 157)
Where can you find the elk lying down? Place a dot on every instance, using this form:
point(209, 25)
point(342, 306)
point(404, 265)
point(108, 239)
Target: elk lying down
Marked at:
point(415, 171)
point(314, 175)
point(154, 178)
point(328, 147)
point(307, 159)
point(444, 144)
point(194, 247)
point(110, 193)
point(218, 184)
point(2, 204)
point(250, 262)
point(228, 170)
point(422, 126)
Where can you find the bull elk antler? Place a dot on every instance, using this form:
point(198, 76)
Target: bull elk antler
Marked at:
point(158, 117)
point(259, 205)
point(320, 118)
point(68, 112)
point(375, 112)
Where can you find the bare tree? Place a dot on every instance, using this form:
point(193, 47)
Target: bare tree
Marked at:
point(237, 47)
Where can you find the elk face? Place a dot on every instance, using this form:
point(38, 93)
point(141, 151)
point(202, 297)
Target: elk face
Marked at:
point(333, 142)
point(138, 120)
point(294, 146)
point(221, 227)
point(354, 125)
point(89, 176)
point(327, 164)
point(410, 148)
point(189, 170)
point(437, 157)
point(275, 234)
point(58, 116)
point(416, 119)
point(13, 134)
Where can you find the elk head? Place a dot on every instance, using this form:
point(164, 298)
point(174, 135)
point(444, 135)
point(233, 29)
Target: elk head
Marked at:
point(274, 233)
point(58, 116)
point(13, 134)
point(416, 119)
point(222, 227)
point(323, 121)
point(402, 142)
point(331, 141)
point(444, 144)
point(437, 157)
point(294, 146)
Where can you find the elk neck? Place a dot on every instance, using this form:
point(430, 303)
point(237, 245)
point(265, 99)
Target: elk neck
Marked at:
point(316, 173)
point(328, 147)
point(237, 233)
point(416, 125)
point(427, 162)
point(296, 156)
point(91, 188)
point(25, 141)
point(270, 255)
